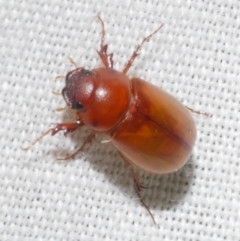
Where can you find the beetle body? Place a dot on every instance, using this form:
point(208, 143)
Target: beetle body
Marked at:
point(148, 126)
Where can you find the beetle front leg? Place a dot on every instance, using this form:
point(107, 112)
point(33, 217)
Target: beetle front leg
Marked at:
point(65, 127)
point(106, 58)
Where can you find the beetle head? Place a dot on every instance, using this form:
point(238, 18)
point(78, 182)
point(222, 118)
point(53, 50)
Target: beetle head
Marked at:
point(79, 89)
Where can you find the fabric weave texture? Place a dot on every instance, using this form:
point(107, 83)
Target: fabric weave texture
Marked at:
point(195, 57)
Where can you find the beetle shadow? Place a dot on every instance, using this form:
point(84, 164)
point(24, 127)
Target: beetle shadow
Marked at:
point(162, 192)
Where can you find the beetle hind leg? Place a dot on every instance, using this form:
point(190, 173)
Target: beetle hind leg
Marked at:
point(137, 185)
point(105, 57)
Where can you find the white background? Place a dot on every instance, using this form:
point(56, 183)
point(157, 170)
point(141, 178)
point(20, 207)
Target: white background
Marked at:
point(195, 57)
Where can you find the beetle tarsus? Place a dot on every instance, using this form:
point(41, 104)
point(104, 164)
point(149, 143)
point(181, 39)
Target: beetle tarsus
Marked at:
point(135, 53)
point(145, 205)
point(198, 112)
point(137, 185)
point(65, 127)
point(138, 188)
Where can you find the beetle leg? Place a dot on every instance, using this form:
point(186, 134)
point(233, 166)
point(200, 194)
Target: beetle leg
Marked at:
point(137, 185)
point(88, 140)
point(106, 58)
point(198, 112)
point(65, 127)
point(135, 53)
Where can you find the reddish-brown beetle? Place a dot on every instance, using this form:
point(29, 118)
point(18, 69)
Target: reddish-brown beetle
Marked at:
point(149, 127)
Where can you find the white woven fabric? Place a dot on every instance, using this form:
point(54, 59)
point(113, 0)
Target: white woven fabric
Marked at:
point(195, 57)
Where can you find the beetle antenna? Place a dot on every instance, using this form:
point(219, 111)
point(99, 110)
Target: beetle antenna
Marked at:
point(73, 62)
point(60, 77)
point(60, 109)
point(56, 93)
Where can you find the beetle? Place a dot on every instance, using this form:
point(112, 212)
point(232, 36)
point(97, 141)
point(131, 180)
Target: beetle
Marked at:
point(150, 128)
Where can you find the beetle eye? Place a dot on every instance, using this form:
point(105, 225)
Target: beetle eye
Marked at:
point(77, 106)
